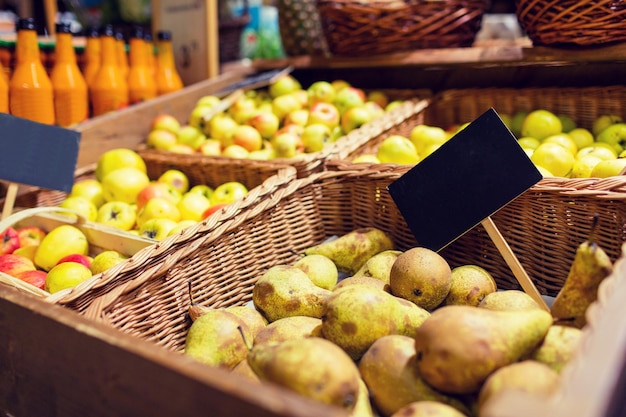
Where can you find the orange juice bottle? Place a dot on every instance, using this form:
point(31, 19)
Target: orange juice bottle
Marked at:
point(4, 92)
point(147, 37)
point(167, 77)
point(122, 56)
point(30, 90)
point(141, 84)
point(92, 55)
point(70, 89)
point(109, 91)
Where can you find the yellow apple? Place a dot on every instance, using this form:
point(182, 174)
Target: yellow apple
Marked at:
point(608, 168)
point(582, 137)
point(180, 226)
point(540, 124)
point(192, 205)
point(158, 208)
point(563, 139)
point(228, 192)
point(584, 165)
point(397, 149)
point(175, 178)
point(601, 150)
point(124, 184)
point(423, 136)
point(235, 151)
point(555, 158)
point(80, 205)
point(366, 159)
point(89, 188)
point(118, 158)
point(117, 214)
point(66, 275)
point(105, 260)
point(59, 242)
point(157, 228)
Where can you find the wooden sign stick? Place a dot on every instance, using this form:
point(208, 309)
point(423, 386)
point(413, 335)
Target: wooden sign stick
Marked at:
point(513, 263)
point(9, 200)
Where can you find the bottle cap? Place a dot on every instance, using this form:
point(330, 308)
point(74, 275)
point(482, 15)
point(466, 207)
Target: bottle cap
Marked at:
point(147, 36)
point(27, 23)
point(63, 28)
point(92, 32)
point(107, 30)
point(164, 35)
point(138, 33)
point(119, 35)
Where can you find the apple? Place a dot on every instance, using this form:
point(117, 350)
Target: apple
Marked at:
point(242, 109)
point(228, 192)
point(105, 260)
point(157, 189)
point(180, 148)
point(247, 137)
point(379, 97)
point(423, 136)
point(117, 214)
point(582, 137)
point(209, 100)
point(315, 137)
point(339, 84)
point(77, 257)
point(80, 205)
point(176, 179)
point(27, 251)
point(540, 124)
point(203, 189)
point(221, 127)
point(603, 121)
point(66, 275)
point(375, 109)
point(213, 209)
point(584, 165)
point(298, 117)
point(266, 122)
point(355, 117)
point(555, 158)
point(601, 150)
point(321, 91)
point(165, 122)
point(325, 113)
point(13, 264)
point(397, 149)
point(614, 135)
point(157, 228)
point(530, 143)
point(264, 154)
point(563, 139)
point(211, 147)
point(285, 104)
point(89, 188)
point(180, 226)
point(114, 159)
point(235, 151)
point(9, 240)
point(158, 208)
point(366, 159)
point(161, 139)
point(285, 145)
point(197, 116)
point(285, 84)
point(192, 205)
point(394, 104)
point(59, 242)
point(349, 97)
point(567, 122)
point(35, 277)
point(608, 168)
point(124, 184)
point(191, 136)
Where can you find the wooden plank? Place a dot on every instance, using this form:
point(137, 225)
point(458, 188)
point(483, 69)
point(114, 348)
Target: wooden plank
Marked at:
point(56, 362)
point(129, 127)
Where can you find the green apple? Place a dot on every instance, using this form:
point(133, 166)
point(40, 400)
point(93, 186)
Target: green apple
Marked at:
point(603, 121)
point(158, 208)
point(608, 168)
point(106, 260)
point(567, 122)
point(209, 100)
point(266, 122)
point(540, 124)
point(394, 104)
point(197, 117)
point(315, 137)
point(157, 228)
point(298, 117)
point(242, 109)
point(584, 165)
point(285, 84)
point(118, 158)
point(59, 242)
point(285, 145)
point(192, 205)
point(582, 137)
point(320, 91)
point(165, 122)
point(555, 158)
point(157, 189)
point(355, 117)
point(563, 139)
point(235, 151)
point(90, 188)
point(81, 206)
point(339, 84)
point(517, 120)
point(599, 149)
point(397, 149)
point(366, 159)
point(191, 136)
point(422, 136)
point(124, 184)
point(374, 108)
point(117, 214)
point(228, 192)
point(285, 104)
point(176, 179)
point(211, 147)
point(221, 127)
point(66, 275)
point(161, 139)
point(262, 154)
point(614, 135)
point(530, 143)
point(349, 97)
point(203, 189)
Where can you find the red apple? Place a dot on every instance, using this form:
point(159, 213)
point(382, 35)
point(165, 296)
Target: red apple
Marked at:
point(157, 189)
point(165, 122)
point(247, 137)
point(13, 264)
point(9, 240)
point(324, 113)
point(30, 235)
point(35, 277)
point(266, 122)
point(78, 258)
point(212, 209)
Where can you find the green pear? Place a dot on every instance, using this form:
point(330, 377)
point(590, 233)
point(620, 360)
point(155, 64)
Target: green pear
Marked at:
point(284, 291)
point(379, 265)
point(313, 367)
point(357, 279)
point(356, 315)
point(389, 370)
point(422, 276)
point(351, 250)
point(218, 338)
point(558, 347)
point(528, 376)
point(287, 328)
point(458, 347)
point(320, 269)
point(428, 409)
point(508, 300)
point(255, 321)
point(470, 284)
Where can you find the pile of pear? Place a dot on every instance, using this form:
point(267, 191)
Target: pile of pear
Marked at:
point(377, 331)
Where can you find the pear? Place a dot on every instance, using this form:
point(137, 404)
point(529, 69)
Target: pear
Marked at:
point(428, 409)
point(458, 347)
point(243, 369)
point(350, 251)
point(558, 347)
point(389, 370)
point(284, 291)
point(363, 406)
point(379, 265)
point(356, 315)
point(508, 300)
point(422, 276)
point(470, 284)
point(528, 376)
point(357, 279)
point(288, 328)
point(218, 338)
point(255, 321)
point(320, 269)
point(313, 367)
point(590, 266)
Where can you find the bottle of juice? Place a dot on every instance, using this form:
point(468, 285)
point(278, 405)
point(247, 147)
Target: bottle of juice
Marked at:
point(122, 56)
point(147, 37)
point(141, 84)
point(30, 89)
point(109, 91)
point(70, 89)
point(4, 91)
point(167, 77)
point(92, 55)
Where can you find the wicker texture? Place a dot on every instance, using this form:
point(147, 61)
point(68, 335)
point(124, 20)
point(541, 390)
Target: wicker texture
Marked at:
point(573, 22)
point(359, 28)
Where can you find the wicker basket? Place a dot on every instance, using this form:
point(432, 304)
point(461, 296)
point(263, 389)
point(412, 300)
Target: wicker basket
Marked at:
point(359, 28)
point(573, 22)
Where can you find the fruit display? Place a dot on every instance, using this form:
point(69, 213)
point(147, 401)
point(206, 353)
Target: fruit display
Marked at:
point(417, 344)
